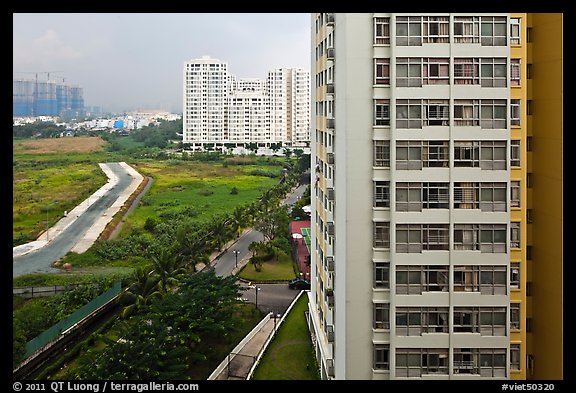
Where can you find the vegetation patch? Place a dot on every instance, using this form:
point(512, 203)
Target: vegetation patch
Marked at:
point(290, 355)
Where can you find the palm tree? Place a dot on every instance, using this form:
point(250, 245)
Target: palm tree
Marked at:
point(237, 221)
point(140, 293)
point(167, 268)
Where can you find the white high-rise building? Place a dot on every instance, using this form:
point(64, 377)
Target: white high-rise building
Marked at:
point(411, 216)
point(222, 111)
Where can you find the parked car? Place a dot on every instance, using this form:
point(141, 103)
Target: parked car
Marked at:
point(299, 283)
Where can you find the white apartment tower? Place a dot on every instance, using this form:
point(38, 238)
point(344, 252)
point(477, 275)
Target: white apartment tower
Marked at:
point(221, 111)
point(410, 225)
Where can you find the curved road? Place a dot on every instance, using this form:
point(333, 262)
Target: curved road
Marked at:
point(42, 259)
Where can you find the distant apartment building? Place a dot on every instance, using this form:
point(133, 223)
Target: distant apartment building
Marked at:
point(436, 235)
point(221, 111)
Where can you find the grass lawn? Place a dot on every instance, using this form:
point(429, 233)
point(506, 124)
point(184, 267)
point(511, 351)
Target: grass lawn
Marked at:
point(283, 269)
point(290, 354)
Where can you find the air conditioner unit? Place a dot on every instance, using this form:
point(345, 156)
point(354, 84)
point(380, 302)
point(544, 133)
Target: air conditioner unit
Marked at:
point(330, 158)
point(330, 228)
point(330, 194)
point(330, 333)
point(330, 264)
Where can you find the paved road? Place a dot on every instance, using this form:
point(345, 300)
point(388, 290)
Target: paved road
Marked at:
point(227, 262)
point(273, 298)
point(41, 260)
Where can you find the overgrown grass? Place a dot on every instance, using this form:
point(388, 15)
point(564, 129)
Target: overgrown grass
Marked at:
point(290, 355)
point(50, 183)
point(271, 270)
point(203, 188)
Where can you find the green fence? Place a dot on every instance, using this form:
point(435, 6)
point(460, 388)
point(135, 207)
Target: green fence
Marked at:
point(54, 331)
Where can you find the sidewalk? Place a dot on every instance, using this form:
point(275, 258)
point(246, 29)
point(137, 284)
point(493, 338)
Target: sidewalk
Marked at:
point(93, 232)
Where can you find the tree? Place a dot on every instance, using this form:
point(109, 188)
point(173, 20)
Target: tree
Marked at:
point(166, 267)
point(275, 147)
point(18, 343)
point(142, 290)
point(298, 152)
point(287, 152)
point(271, 224)
point(252, 146)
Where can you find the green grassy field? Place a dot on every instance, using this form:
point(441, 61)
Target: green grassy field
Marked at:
point(290, 355)
point(48, 180)
point(272, 270)
point(204, 187)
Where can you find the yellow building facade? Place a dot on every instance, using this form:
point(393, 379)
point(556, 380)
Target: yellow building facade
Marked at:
point(544, 185)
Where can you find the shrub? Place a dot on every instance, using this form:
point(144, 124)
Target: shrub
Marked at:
point(234, 191)
point(205, 192)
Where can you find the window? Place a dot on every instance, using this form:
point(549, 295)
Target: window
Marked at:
point(493, 321)
point(488, 280)
point(465, 320)
point(493, 114)
point(436, 112)
point(466, 361)
point(415, 279)
point(415, 362)
point(466, 112)
point(493, 72)
point(483, 196)
point(416, 196)
point(492, 362)
point(514, 194)
point(381, 194)
point(409, 155)
point(382, 154)
point(466, 71)
point(514, 316)
point(381, 71)
point(381, 112)
point(466, 29)
point(418, 154)
point(408, 72)
point(484, 154)
point(413, 321)
point(514, 72)
point(381, 356)
point(493, 31)
point(408, 30)
point(382, 31)
point(514, 356)
point(436, 71)
point(381, 237)
point(436, 29)
point(419, 237)
point(514, 112)
point(515, 275)
point(382, 275)
point(514, 31)
point(514, 235)
point(381, 315)
point(493, 238)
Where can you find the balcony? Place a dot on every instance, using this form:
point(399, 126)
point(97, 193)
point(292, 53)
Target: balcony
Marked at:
point(330, 228)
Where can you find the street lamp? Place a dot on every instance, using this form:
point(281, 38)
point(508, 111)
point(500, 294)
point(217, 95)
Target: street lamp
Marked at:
point(257, 288)
point(47, 233)
point(236, 252)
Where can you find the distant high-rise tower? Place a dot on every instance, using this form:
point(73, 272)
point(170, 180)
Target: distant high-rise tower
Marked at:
point(46, 98)
point(437, 223)
point(221, 111)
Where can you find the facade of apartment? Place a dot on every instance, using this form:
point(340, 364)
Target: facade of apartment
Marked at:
point(422, 141)
point(221, 111)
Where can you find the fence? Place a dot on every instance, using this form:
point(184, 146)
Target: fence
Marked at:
point(31, 292)
point(54, 331)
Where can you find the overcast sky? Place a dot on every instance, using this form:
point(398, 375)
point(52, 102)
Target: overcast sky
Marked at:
point(134, 61)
